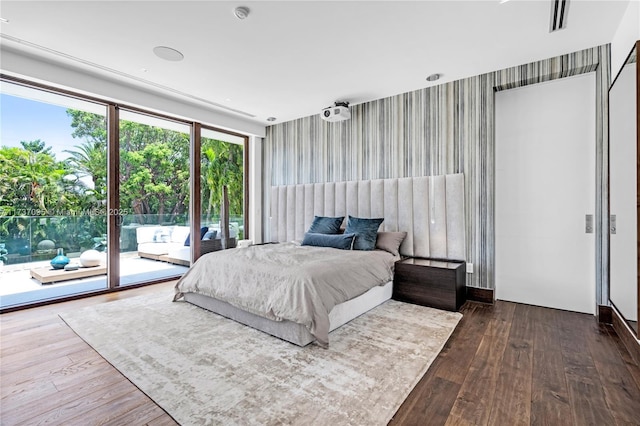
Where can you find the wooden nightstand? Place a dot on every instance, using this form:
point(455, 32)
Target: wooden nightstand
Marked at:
point(435, 283)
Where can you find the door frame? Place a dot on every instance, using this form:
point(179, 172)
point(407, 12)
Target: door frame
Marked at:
point(592, 209)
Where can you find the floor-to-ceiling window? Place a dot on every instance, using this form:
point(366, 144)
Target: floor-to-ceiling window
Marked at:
point(222, 165)
point(52, 194)
point(153, 197)
point(106, 186)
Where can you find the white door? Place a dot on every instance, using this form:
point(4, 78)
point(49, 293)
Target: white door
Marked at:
point(545, 185)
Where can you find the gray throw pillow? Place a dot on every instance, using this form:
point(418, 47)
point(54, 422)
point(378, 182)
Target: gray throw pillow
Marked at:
point(390, 241)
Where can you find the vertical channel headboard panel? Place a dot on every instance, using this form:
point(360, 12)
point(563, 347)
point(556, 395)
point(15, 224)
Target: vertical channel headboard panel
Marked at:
point(430, 209)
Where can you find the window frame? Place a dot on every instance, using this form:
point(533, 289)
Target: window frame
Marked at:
point(113, 169)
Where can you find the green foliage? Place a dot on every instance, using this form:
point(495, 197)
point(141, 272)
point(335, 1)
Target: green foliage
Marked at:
point(32, 179)
point(222, 164)
point(43, 198)
point(154, 172)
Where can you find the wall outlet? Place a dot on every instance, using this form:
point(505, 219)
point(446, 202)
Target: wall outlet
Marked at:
point(469, 268)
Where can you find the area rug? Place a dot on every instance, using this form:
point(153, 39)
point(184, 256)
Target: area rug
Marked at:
point(204, 369)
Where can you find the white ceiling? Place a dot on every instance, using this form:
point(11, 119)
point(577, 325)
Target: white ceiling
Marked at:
point(290, 59)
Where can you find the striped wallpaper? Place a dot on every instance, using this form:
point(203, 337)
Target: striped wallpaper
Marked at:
point(443, 129)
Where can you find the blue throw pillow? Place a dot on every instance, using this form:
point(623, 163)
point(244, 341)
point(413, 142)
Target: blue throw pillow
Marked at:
point(326, 225)
point(366, 231)
point(339, 241)
point(203, 231)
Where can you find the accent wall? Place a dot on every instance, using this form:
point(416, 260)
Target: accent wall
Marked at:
point(443, 129)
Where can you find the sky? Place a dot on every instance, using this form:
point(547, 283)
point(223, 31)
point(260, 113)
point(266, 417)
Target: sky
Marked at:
point(26, 120)
point(28, 114)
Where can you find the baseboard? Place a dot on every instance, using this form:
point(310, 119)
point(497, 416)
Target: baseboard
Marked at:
point(605, 314)
point(484, 295)
point(626, 335)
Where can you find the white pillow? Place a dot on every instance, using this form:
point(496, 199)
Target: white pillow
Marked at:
point(179, 234)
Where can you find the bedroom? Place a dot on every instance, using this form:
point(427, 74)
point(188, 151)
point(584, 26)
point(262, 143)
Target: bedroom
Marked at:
point(297, 110)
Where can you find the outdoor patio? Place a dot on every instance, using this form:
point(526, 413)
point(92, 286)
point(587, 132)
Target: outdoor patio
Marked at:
point(148, 252)
point(18, 288)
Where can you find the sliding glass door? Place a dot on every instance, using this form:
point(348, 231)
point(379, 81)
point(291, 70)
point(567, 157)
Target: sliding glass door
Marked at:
point(52, 195)
point(154, 198)
point(222, 165)
point(96, 196)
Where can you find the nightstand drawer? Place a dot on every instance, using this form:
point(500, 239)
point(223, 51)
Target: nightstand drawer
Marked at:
point(438, 284)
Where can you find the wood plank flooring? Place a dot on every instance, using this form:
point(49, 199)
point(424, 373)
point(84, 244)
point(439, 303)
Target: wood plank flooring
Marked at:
point(514, 364)
point(506, 364)
point(51, 376)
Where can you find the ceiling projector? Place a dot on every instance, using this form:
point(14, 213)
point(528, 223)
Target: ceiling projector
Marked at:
point(338, 112)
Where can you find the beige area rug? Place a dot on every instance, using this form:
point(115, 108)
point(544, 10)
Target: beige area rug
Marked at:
point(204, 369)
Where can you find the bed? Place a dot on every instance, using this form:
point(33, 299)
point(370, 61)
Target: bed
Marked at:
point(300, 293)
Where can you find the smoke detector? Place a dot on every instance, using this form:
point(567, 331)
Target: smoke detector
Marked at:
point(241, 12)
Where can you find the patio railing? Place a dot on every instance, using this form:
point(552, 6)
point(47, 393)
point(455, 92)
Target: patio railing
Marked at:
point(25, 239)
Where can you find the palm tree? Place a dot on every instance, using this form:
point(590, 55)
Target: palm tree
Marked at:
point(222, 165)
point(34, 174)
point(90, 159)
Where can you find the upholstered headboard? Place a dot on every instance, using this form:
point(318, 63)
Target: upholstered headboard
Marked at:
point(430, 209)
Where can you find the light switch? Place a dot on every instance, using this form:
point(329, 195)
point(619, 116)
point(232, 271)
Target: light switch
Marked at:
point(612, 223)
point(588, 224)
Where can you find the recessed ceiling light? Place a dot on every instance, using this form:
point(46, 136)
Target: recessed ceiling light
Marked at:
point(6, 21)
point(433, 77)
point(144, 69)
point(271, 119)
point(241, 12)
point(168, 53)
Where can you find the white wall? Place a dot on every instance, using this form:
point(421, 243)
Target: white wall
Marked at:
point(19, 64)
point(628, 33)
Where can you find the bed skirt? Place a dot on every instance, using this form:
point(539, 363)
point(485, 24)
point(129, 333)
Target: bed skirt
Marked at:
point(288, 330)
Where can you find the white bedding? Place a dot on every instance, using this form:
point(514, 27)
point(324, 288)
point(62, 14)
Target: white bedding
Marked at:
point(288, 282)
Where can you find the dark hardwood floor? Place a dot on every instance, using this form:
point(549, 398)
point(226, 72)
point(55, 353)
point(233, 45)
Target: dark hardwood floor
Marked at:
point(506, 364)
point(513, 364)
